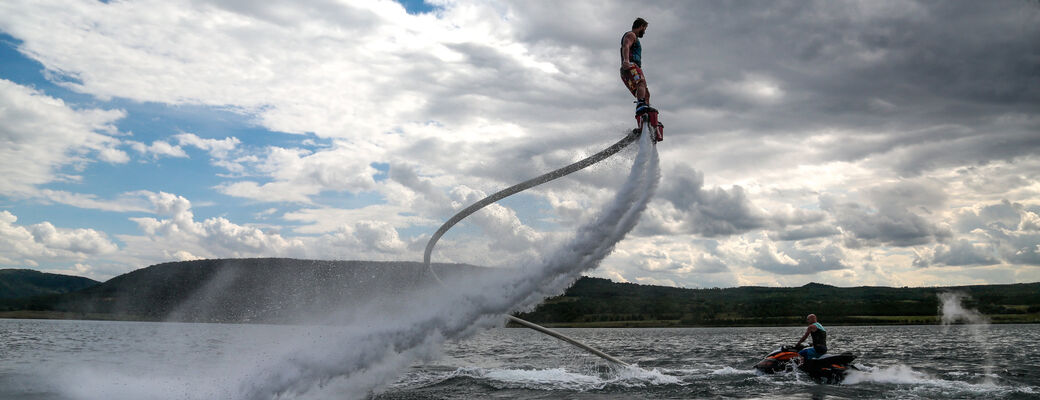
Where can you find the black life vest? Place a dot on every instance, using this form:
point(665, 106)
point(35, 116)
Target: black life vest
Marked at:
point(819, 336)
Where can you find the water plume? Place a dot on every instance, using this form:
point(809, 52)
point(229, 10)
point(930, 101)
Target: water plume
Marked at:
point(367, 356)
point(953, 311)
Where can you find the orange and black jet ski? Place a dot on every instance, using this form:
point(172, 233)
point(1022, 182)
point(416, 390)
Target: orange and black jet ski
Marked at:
point(829, 368)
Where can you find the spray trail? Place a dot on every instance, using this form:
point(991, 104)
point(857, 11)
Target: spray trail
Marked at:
point(357, 361)
point(953, 311)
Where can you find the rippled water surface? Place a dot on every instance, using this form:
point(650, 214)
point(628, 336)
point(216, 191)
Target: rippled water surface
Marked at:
point(90, 359)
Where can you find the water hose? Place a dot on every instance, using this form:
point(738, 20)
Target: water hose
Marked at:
point(577, 166)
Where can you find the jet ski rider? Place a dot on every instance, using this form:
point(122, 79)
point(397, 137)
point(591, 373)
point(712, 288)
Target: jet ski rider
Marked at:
point(819, 339)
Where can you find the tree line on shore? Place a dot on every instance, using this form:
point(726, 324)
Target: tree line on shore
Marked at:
point(596, 301)
point(280, 290)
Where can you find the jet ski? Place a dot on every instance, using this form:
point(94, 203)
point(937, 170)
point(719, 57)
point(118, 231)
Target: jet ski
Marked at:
point(830, 368)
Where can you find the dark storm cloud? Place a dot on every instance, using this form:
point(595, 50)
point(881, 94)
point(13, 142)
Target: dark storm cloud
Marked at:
point(493, 74)
point(1011, 227)
point(961, 253)
point(915, 85)
point(882, 76)
point(898, 214)
point(1003, 233)
point(709, 265)
point(718, 212)
point(709, 212)
point(924, 195)
point(1003, 216)
point(798, 261)
point(407, 177)
point(864, 227)
point(806, 232)
point(1014, 248)
point(987, 143)
point(1028, 255)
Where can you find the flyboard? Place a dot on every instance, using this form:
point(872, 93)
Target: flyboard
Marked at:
point(646, 121)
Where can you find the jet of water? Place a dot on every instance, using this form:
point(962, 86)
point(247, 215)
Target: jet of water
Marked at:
point(952, 310)
point(365, 357)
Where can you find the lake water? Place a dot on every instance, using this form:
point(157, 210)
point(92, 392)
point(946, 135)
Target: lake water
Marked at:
point(42, 359)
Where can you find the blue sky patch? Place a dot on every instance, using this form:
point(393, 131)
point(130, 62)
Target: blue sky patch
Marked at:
point(417, 6)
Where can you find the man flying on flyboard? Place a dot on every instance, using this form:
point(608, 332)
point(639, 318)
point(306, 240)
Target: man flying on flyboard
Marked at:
point(635, 81)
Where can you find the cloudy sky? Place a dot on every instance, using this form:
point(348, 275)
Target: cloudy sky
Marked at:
point(849, 143)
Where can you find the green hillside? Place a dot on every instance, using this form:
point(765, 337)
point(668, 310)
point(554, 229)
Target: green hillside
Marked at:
point(233, 290)
point(284, 290)
point(600, 302)
point(15, 283)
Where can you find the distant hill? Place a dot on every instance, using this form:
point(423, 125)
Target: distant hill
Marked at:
point(15, 283)
point(237, 290)
point(600, 302)
point(278, 290)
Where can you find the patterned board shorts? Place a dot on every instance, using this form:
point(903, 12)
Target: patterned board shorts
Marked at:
point(632, 76)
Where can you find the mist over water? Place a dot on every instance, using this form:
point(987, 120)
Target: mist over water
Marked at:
point(379, 344)
point(953, 311)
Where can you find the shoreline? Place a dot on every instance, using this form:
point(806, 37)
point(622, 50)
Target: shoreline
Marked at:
point(844, 321)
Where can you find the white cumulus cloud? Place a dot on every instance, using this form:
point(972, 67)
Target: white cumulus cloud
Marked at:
point(44, 140)
point(43, 242)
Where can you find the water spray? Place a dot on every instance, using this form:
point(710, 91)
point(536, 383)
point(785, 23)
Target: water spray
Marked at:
point(561, 172)
point(953, 311)
point(530, 183)
point(358, 360)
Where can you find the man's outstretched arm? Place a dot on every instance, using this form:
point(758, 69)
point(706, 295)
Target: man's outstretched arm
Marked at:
point(807, 332)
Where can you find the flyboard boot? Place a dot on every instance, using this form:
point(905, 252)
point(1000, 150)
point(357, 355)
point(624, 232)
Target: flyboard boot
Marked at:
point(648, 115)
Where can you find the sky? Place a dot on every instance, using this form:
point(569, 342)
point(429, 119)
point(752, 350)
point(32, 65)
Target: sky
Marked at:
point(850, 143)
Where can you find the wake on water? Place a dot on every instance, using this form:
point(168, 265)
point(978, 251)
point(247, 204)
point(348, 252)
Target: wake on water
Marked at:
point(563, 379)
point(951, 311)
point(369, 355)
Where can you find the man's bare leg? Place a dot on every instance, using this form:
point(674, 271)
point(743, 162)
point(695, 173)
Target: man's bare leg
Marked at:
point(642, 92)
